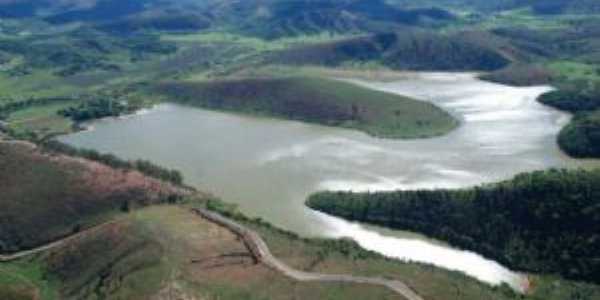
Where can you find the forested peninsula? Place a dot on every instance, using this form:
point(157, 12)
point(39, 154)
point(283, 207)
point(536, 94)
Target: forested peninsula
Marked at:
point(541, 222)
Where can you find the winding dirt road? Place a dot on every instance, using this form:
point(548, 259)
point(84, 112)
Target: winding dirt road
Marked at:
point(261, 252)
point(259, 249)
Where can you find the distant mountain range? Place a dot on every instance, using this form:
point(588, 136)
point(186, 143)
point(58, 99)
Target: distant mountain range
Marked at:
point(270, 18)
point(539, 6)
point(265, 18)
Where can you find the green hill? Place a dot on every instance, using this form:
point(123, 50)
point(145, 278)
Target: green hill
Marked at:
point(316, 100)
point(404, 50)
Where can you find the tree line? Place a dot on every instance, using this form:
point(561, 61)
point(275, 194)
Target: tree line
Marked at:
point(581, 137)
point(143, 166)
point(541, 222)
point(96, 108)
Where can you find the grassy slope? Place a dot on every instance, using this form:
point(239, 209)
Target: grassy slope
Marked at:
point(158, 252)
point(317, 100)
point(406, 50)
point(165, 252)
point(428, 281)
point(44, 198)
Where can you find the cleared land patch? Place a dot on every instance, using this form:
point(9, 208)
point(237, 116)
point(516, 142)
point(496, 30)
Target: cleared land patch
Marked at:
point(45, 197)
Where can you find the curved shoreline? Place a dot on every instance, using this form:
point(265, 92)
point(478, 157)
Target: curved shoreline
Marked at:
point(274, 176)
point(258, 247)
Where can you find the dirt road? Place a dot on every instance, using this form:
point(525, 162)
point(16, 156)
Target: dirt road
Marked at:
point(261, 251)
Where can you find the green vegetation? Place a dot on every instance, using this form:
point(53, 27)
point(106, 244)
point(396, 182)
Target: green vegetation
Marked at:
point(162, 250)
point(25, 280)
point(35, 117)
point(48, 197)
point(167, 250)
point(575, 71)
point(581, 137)
point(78, 54)
point(542, 222)
point(345, 256)
point(143, 166)
point(406, 50)
point(317, 100)
point(572, 101)
point(95, 109)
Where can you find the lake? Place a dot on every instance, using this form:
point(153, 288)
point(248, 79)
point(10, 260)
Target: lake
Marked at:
point(269, 167)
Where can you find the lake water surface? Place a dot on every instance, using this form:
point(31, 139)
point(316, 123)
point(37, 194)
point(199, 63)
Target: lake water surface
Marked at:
point(270, 166)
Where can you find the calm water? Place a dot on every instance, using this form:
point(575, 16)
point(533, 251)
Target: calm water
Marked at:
point(269, 166)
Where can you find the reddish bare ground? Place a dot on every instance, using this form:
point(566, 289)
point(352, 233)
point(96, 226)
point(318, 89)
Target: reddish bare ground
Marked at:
point(46, 197)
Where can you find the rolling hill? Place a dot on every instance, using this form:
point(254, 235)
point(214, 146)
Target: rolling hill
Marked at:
point(47, 196)
point(316, 100)
point(403, 50)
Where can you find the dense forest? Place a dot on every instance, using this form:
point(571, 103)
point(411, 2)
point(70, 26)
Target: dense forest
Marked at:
point(95, 108)
point(541, 222)
point(572, 100)
point(581, 137)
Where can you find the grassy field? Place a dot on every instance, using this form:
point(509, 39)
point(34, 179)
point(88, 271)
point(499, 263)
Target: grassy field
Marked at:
point(575, 71)
point(256, 43)
point(166, 252)
point(38, 84)
point(43, 119)
point(525, 18)
point(25, 280)
point(316, 100)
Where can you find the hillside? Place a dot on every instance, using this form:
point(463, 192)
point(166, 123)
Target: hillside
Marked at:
point(403, 50)
point(271, 19)
point(316, 100)
point(167, 251)
point(121, 229)
point(49, 196)
point(268, 19)
point(550, 7)
point(150, 254)
point(114, 229)
point(542, 222)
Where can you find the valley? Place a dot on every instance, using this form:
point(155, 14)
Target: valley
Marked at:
point(148, 148)
point(277, 164)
